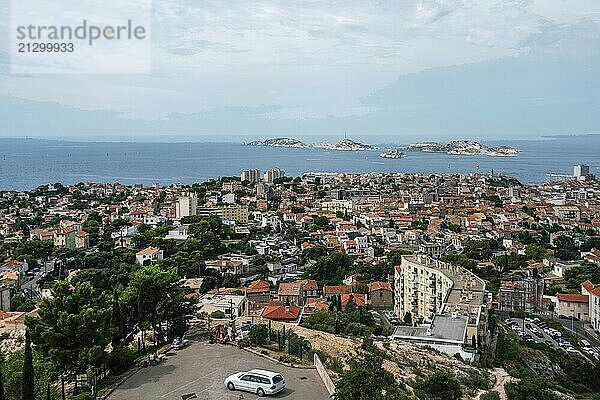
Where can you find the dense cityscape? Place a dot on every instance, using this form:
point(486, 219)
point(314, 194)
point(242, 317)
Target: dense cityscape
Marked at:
point(391, 286)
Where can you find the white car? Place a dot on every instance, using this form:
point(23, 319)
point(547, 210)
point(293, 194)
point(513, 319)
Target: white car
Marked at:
point(257, 381)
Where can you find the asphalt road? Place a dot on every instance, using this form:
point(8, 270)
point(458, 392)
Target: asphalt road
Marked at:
point(201, 369)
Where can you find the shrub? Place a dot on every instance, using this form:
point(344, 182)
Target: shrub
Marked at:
point(84, 396)
point(121, 359)
point(286, 358)
point(491, 395)
point(439, 386)
point(217, 314)
point(258, 334)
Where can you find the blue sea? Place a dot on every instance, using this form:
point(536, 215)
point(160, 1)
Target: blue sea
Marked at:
point(28, 163)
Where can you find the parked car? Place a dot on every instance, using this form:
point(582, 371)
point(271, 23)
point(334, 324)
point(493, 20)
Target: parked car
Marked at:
point(538, 334)
point(561, 316)
point(246, 326)
point(257, 381)
point(180, 343)
point(549, 342)
point(572, 317)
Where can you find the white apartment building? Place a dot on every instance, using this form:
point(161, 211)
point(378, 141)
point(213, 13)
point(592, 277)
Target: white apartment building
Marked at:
point(273, 174)
point(343, 206)
point(186, 205)
point(449, 301)
point(250, 175)
point(593, 293)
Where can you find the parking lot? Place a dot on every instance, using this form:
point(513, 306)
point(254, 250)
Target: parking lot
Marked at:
point(201, 368)
point(534, 330)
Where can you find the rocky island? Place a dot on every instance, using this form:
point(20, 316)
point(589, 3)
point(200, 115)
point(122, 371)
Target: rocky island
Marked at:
point(464, 147)
point(342, 145)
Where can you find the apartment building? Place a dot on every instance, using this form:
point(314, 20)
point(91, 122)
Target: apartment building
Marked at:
point(186, 205)
point(250, 175)
point(447, 303)
point(273, 174)
point(525, 294)
point(239, 214)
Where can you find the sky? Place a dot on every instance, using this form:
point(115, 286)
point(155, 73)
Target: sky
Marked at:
point(224, 70)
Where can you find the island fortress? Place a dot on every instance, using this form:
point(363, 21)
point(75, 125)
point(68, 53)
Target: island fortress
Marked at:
point(446, 304)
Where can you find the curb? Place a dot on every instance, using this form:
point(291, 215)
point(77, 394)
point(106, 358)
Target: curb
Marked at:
point(277, 361)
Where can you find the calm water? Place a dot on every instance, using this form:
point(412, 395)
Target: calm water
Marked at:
point(27, 163)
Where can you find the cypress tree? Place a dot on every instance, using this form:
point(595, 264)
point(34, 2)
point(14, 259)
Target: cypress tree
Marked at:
point(2, 397)
point(27, 379)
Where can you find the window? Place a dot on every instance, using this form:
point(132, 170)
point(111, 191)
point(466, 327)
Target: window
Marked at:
point(248, 378)
point(277, 378)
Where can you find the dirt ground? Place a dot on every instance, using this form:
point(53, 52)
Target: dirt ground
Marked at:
point(407, 361)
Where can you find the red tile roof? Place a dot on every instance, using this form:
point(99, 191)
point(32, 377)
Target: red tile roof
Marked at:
point(573, 298)
point(281, 313)
point(359, 299)
point(379, 286)
point(258, 287)
point(289, 289)
point(309, 284)
point(587, 285)
point(337, 289)
point(148, 251)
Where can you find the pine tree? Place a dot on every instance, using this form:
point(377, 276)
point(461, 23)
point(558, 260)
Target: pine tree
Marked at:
point(116, 320)
point(27, 379)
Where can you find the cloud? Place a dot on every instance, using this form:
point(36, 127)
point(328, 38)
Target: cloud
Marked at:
point(325, 65)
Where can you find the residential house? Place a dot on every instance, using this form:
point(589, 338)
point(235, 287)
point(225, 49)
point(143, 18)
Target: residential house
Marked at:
point(282, 313)
point(359, 299)
point(291, 293)
point(149, 255)
point(573, 305)
point(380, 295)
point(332, 291)
point(259, 292)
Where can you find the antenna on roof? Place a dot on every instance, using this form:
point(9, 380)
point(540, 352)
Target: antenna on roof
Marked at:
point(345, 137)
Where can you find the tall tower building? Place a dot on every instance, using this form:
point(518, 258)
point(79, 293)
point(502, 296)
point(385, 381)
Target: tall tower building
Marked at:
point(273, 174)
point(186, 205)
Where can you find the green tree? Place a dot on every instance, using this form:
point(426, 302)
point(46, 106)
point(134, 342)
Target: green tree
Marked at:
point(12, 373)
point(535, 252)
point(566, 249)
point(155, 297)
point(331, 268)
point(21, 303)
point(116, 320)
point(27, 378)
point(2, 396)
point(73, 328)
